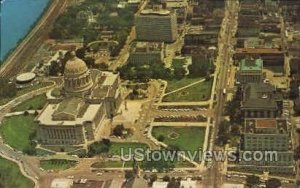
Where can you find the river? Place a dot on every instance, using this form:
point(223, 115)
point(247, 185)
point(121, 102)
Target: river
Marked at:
point(17, 19)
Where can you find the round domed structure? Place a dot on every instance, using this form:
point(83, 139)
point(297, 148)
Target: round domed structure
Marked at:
point(25, 77)
point(77, 76)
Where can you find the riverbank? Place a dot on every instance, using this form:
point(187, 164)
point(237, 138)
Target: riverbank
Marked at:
point(24, 28)
point(15, 61)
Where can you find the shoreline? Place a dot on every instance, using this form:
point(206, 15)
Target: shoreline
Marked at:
point(32, 26)
point(34, 38)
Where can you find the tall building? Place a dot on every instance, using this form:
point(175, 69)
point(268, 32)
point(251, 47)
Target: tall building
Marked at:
point(146, 52)
point(250, 71)
point(261, 100)
point(75, 112)
point(271, 135)
point(156, 25)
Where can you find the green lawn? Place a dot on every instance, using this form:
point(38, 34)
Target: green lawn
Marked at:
point(186, 138)
point(35, 103)
point(24, 91)
point(176, 84)
point(16, 130)
point(57, 164)
point(10, 176)
point(115, 148)
point(198, 92)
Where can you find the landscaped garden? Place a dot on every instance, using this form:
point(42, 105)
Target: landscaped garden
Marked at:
point(197, 92)
point(57, 164)
point(113, 148)
point(10, 175)
point(185, 138)
point(5, 99)
point(19, 131)
point(35, 103)
point(176, 84)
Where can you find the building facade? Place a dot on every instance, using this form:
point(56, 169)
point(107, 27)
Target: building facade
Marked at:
point(260, 100)
point(87, 98)
point(156, 26)
point(267, 135)
point(250, 70)
point(146, 52)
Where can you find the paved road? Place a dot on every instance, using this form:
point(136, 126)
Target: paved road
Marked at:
point(225, 47)
point(27, 168)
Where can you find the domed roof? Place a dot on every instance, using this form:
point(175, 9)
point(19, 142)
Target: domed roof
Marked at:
point(75, 66)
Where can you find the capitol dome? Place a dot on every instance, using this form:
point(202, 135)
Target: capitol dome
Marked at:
point(77, 76)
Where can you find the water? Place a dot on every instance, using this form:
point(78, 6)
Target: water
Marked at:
point(17, 18)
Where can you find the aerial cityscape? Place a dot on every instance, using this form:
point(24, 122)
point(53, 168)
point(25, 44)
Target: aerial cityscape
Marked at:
point(150, 94)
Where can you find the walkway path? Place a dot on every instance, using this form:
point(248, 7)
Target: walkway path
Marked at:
point(27, 96)
point(184, 87)
point(22, 170)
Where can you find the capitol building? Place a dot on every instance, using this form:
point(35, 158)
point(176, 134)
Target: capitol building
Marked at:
point(76, 111)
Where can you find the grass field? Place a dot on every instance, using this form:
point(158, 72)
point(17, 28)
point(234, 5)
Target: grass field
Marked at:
point(35, 103)
point(10, 176)
point(176, 84)
point(16, 130)
point(187, 138)
point(115, 148)
point(24, 91)
point(198, 92)
point(57, 164)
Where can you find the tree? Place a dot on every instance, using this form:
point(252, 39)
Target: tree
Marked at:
point(90, 62)
point(129, 174)
point(80, 53)
point(166, 178)
point(118, 130)
point(297, 153)
point(179, 73)
point(200, 67)
point(161, 138)
point(153, 178)
point(97, 148)
point(173, 183)
point(273, 183)
point(252, 180)
point(7, 89)
point(106, 141)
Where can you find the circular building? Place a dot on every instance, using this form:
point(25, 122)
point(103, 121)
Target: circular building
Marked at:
point(77, 77)
point(25, 78)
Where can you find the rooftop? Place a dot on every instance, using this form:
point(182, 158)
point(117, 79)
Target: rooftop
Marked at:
point(251, 65)
point(266, 126)
point(63, 119)
point(160, 12)
point(144, 47)
point(258, 51)
point(26, 77)
point(260, 95)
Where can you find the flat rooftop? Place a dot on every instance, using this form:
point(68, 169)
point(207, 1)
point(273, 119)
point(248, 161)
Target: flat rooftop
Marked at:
point(258, 51)
point(266, 123)
point(160, 12)
point(144, 47)
point(265, 126)
point(251, 65)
